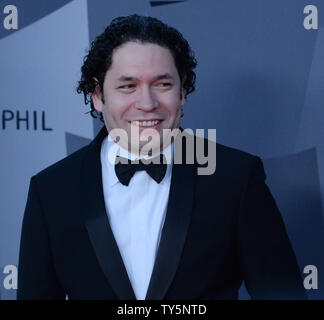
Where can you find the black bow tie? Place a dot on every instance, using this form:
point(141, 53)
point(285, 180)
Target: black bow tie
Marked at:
point(125, 168)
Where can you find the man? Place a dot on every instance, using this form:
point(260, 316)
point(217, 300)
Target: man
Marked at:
point(96, 227)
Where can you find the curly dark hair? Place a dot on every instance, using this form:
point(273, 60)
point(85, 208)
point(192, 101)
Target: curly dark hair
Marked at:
point(134, 28)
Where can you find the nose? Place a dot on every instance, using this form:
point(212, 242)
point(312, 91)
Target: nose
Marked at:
point(146, 100)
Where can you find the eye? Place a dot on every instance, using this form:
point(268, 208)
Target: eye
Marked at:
point(127, 86)
point(164, 84)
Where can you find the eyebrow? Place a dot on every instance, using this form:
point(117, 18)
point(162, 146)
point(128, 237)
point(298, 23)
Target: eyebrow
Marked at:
point(159, 77)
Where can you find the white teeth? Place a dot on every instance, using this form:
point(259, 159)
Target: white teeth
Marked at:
point(145, 123)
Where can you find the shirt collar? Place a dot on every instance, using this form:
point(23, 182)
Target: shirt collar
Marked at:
point(110, 150)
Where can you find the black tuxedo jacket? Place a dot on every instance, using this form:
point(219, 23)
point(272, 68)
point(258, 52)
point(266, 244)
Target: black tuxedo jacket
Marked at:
point(219, 230)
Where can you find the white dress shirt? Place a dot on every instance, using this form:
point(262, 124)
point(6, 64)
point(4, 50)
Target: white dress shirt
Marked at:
point(136, 214)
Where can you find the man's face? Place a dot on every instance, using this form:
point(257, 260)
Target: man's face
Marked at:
point(142, 90)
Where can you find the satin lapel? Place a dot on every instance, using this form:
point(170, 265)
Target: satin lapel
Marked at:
point(97, 224)
point(174, 231)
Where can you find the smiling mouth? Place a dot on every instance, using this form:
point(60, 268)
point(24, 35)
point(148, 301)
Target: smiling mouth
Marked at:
point(145, 123)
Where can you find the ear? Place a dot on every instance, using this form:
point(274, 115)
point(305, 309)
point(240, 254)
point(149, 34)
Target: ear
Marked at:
point(97, 97)
point(183, 90)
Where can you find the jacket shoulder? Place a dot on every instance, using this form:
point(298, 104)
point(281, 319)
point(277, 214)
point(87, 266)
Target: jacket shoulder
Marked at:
point(66, 167)
point(238, 162)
